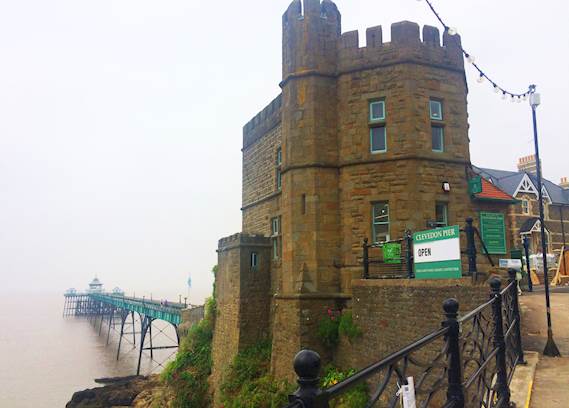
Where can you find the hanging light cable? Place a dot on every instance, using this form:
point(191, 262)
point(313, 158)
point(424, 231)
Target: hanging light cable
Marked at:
point(470, 58)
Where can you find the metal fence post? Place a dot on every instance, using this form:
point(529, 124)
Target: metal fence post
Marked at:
point(470, 247)
point(517, 316)
point(409, 254)
point(502, 388)
point(307, 365)
point(455, 390)
point(366, 259)
point(528, 266)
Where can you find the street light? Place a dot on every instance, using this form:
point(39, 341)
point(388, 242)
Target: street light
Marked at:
point(551, 349)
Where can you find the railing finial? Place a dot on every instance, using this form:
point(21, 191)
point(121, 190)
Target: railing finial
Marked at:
point(307, 364)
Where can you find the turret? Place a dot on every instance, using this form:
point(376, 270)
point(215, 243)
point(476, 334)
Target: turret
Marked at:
point(310, 35)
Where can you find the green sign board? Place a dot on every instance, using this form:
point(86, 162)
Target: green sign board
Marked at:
point(437, 253)
point(493, 230)
point(392, 253)
point(475, 185)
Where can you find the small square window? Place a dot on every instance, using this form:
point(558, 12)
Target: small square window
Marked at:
point(376, 111)
point(378, 139)
point(441, 215)
point(436, 108)
point(438, 139)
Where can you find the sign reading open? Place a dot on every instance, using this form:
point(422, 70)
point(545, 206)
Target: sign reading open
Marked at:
point(437, 253)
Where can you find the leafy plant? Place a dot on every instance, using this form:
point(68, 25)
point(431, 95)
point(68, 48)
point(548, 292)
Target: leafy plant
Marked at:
point(347, 327)
point(247, 383)
point(328, 329)
point(357, 397)
point(187, 375)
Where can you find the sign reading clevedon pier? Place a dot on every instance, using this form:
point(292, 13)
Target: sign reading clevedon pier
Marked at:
point(437, 253)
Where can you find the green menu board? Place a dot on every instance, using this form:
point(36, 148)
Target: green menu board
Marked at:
point(493, 230)
point(392, 253)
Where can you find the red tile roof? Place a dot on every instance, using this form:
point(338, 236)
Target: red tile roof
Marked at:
point(491, 192)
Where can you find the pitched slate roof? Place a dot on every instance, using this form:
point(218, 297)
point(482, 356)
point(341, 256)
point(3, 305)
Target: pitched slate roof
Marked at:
point(491, 192)
point(508, 181)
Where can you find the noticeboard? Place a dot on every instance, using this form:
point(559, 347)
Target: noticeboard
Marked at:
point(493, 231)
point(392, 253)
point(437, 253)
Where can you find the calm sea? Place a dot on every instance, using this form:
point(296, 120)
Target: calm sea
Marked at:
point(44, 357)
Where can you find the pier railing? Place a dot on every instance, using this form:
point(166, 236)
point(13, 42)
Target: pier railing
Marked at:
point(469, 362)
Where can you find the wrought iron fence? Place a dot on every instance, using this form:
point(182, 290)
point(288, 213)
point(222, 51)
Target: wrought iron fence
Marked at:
point(469, 362)
point(388, 260)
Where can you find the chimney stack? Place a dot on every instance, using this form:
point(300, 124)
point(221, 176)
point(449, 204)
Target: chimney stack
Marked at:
point(528, 164)
point(564, 183)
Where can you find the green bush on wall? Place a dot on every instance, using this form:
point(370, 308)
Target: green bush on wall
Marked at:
point(335, 324)
point(248, 384)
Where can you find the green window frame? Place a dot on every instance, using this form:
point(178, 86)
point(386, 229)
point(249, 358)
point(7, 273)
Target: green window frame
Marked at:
point(378, 139)
point(438, 138)
point(380, 221)
point(377, 110)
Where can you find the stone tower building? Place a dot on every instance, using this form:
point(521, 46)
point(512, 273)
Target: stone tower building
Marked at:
point(362, 143)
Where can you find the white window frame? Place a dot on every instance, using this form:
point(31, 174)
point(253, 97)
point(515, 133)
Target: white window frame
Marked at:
point(371, 105)
point(442, 150)
point(371, 139)
point(440, 104)
point(374, 223)
point(525, 207)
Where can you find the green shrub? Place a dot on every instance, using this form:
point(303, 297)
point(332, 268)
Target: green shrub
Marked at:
point(247, 384)
point(357, 397)
point(187, 375)
point(347, 327)
point(328, 329)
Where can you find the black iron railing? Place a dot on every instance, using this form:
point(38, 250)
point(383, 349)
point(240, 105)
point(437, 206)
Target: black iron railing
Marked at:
point(469, 362)
point(380, 261)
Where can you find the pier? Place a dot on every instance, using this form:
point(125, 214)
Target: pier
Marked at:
point(117, 310)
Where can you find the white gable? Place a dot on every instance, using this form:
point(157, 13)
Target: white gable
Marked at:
point(545, 194)
point(526, 186)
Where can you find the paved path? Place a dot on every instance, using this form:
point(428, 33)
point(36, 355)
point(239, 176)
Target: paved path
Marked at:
point(551, 383)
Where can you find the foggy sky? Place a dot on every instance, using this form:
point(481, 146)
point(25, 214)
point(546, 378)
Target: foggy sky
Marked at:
point(121, 121)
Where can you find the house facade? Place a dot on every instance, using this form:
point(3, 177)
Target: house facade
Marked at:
point(524, 214)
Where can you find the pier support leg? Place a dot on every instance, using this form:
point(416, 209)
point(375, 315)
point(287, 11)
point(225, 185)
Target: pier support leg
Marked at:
point(143, 331)
point(150, 333)
point(133, 331)
point(124, 316)
point(111, 316)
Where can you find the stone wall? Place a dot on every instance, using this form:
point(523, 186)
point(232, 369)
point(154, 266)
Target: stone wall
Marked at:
point(243, 299)
point(394, 313)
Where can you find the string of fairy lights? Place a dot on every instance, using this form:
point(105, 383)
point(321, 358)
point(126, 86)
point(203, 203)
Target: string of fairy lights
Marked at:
point(482, 76)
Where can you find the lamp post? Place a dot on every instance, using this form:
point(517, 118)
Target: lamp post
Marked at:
point(551, 349)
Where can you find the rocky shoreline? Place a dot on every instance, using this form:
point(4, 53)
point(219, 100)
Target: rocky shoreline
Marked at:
point(133, 391)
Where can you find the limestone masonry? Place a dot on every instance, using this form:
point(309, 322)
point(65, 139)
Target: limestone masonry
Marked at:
point(362, 143)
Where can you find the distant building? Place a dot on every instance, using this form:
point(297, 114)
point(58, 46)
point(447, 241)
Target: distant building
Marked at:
point(524, 214)
point(95, 286)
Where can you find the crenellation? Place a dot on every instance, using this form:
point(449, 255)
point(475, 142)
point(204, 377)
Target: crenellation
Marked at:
point(405, 32)
point(350, 39)
point(374, 37)
point(263, 122)
point(431, 36)
point(406, 46)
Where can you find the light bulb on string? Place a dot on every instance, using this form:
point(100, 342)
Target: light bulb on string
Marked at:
point(470, 58)
point(525, 97)
point(512, 99)
point(519, 99)
point(504, 95)
point(480, 78)
point(496, 89)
